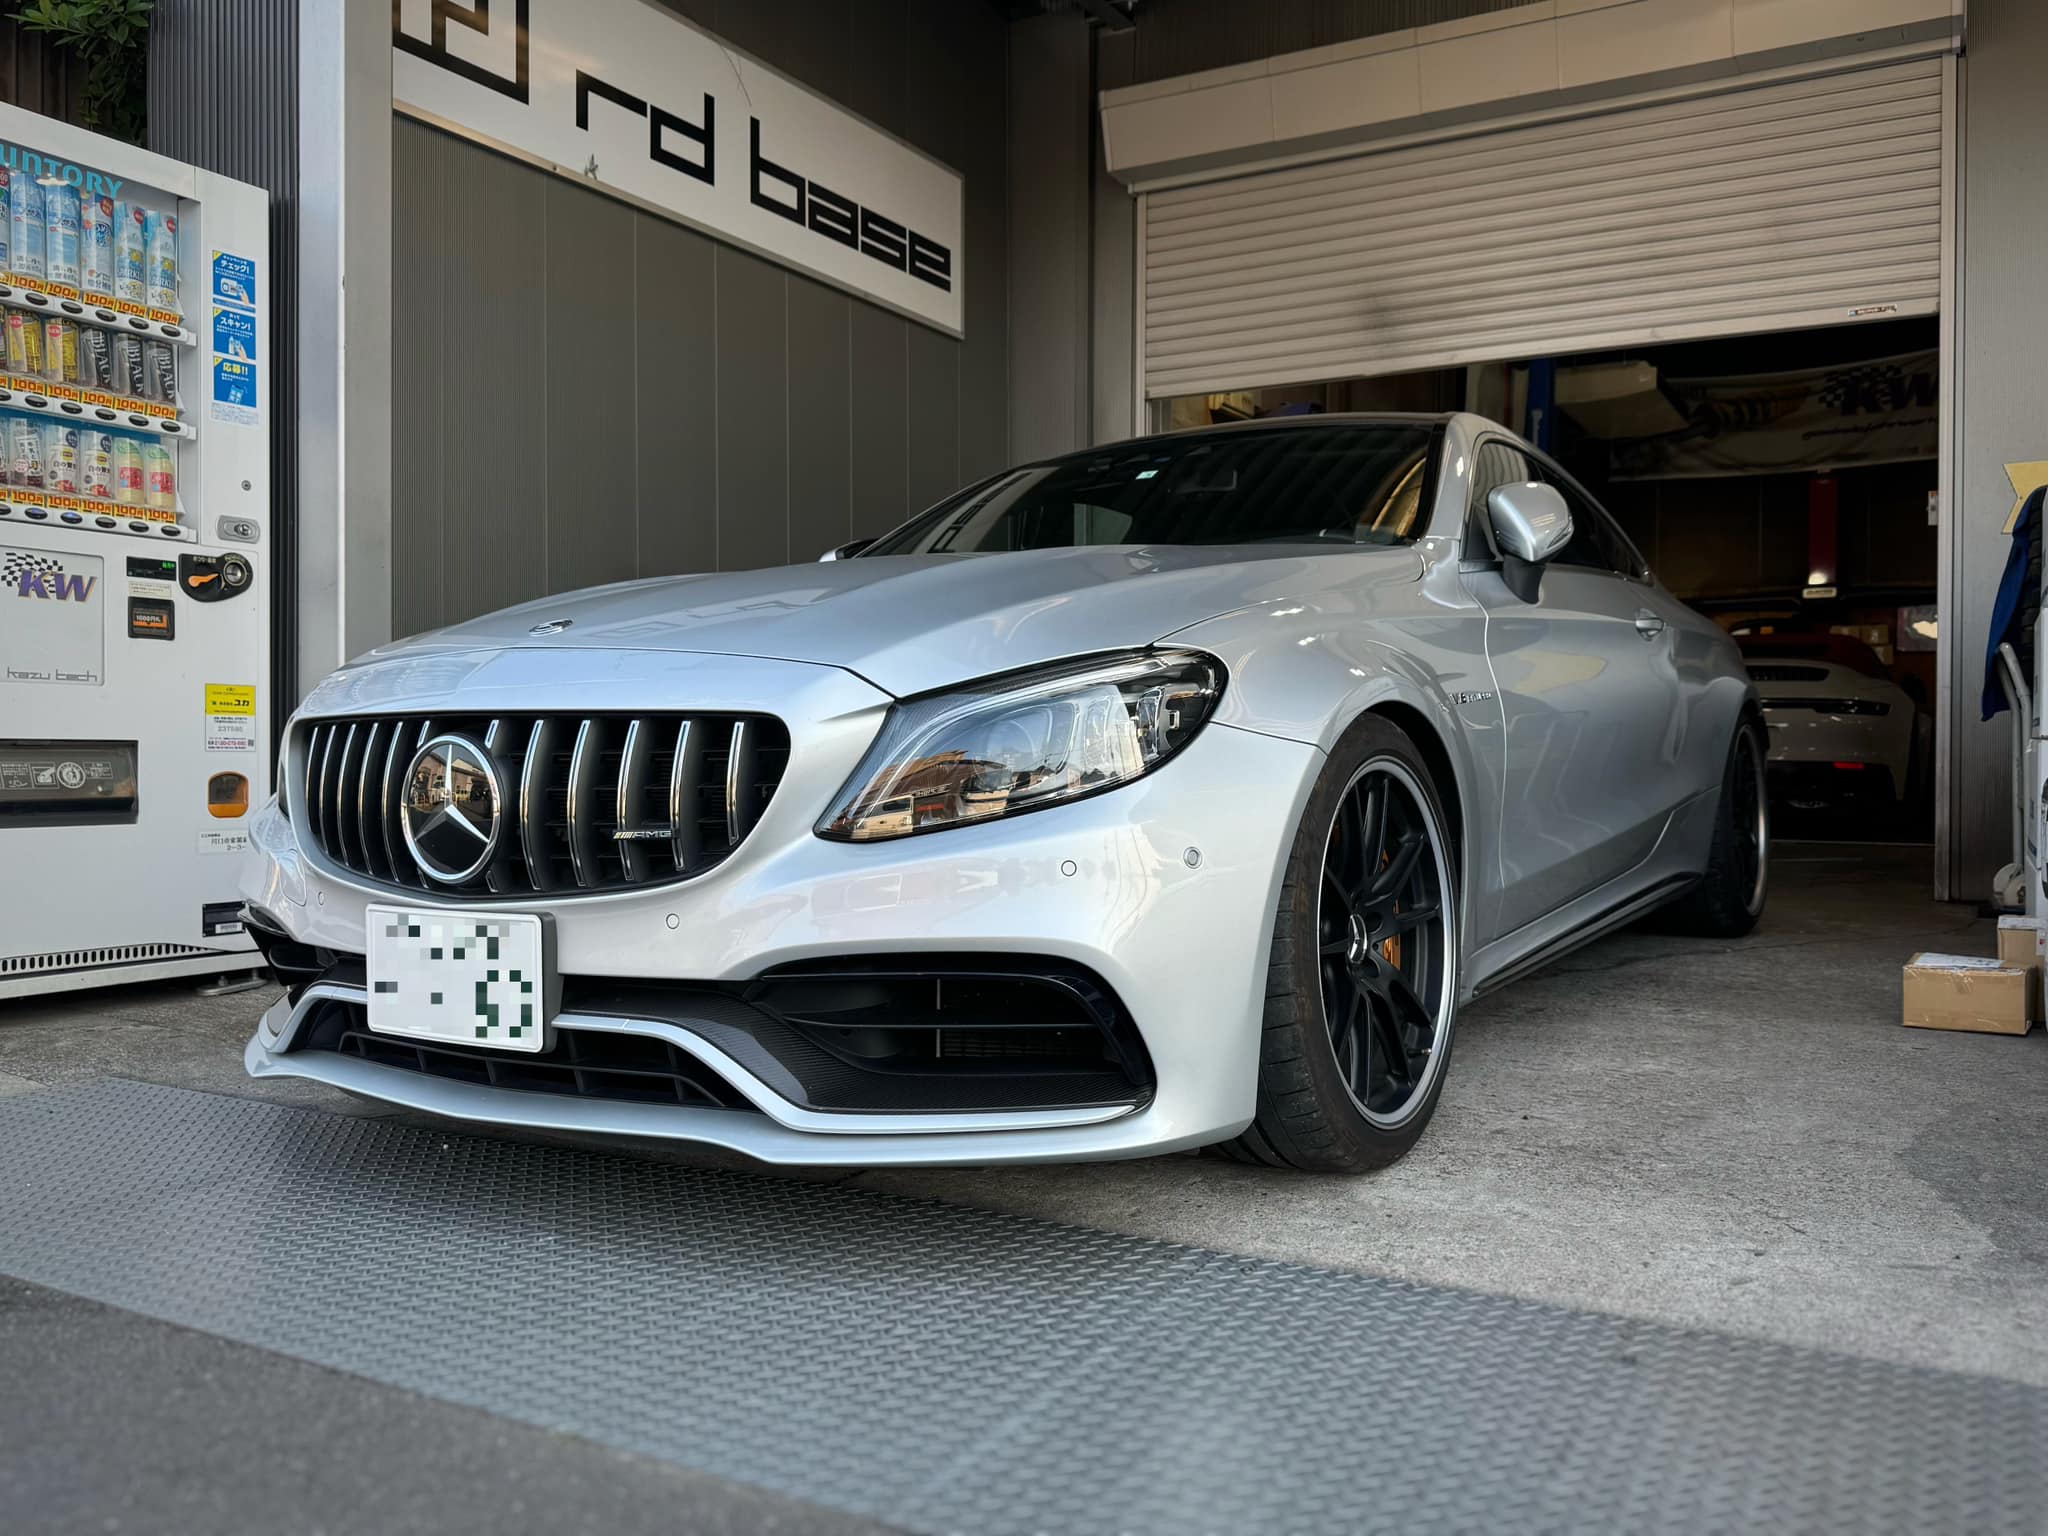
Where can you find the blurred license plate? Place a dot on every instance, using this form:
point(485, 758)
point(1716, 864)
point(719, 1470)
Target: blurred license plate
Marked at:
point(460, 977)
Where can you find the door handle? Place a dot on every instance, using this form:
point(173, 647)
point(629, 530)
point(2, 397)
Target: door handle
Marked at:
point(1648, 625)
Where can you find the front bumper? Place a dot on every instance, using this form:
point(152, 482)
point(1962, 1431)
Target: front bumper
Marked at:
point(1165, 889)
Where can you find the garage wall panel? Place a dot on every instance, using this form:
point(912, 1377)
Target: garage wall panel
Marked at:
point(584, 391)
point(753, 412)
point(932, 445)
point(675, 437)
point(493, 531)
point(981, 151)
point(1049, 199)
point(417, 393)
point(591, 444)
point(1778, 206)
point(821, 413)
point(881, 420)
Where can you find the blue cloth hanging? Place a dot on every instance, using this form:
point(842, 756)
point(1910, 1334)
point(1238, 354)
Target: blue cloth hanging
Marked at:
point(2019, 591)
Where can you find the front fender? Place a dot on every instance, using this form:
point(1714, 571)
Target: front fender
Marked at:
point(1305, 673)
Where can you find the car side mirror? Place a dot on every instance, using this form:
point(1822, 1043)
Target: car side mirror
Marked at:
point(1531, 522)
point(845, 551)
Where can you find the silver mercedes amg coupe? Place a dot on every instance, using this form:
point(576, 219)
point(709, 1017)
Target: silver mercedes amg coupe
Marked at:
point(1169, 794)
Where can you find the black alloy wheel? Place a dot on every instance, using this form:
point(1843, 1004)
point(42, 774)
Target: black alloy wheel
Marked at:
point(1751, 811)
point(1362, 985)
point(1729, 897)
point(1382, 942)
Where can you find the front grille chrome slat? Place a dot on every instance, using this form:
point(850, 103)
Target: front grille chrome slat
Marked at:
point(364, 804)
point(536, 837)
point(330, 786)
point(635, 757)
point(581, 810)
point(397, 754)
point(567, 785)
point(309, 795)
point(507, 869)
point(685, 789)
point(347, 824)
point(742, 768)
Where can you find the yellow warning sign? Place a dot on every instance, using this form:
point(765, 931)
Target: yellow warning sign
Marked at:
point(231, 698)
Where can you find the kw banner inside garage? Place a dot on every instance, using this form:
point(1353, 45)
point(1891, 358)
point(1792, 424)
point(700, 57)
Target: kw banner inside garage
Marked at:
point(641, 104)
point(1883, 411)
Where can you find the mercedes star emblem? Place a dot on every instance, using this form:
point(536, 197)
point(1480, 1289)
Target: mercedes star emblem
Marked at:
point(449, 810)
point(550, 626)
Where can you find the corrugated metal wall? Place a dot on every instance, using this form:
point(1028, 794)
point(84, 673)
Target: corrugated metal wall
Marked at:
point(1176, 37)
point(1052, 114)
point(1772, 208)
point(223, 91)
point(38, 75)
point(585, 393)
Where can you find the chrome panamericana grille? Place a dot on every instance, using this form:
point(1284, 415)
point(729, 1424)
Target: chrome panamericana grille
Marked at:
point(589, 802)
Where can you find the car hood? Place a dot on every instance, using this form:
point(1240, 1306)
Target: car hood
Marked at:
point(912, 623)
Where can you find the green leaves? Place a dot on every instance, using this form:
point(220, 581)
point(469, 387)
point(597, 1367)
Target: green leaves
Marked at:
point(111, 38)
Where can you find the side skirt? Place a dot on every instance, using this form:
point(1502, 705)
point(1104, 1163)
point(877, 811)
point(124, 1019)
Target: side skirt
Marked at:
point(1605, 922)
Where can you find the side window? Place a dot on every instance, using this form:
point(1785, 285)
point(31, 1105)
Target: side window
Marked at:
point(1495, 464)
point(1597, 542)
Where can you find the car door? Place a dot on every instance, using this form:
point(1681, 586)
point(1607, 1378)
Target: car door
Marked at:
point(1589, 697)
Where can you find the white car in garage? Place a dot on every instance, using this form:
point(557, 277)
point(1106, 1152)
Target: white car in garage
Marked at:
point(1840, 730)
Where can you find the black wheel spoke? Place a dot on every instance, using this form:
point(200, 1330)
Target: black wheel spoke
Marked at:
point(1398, 1064)
point(1360, 1036)
point(1355, 818)
point(1392, 880)
point(1417, 1021)
point(1336, 989)
point(1408, 919)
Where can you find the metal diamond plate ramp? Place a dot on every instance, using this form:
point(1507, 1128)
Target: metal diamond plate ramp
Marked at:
point(956, 1370)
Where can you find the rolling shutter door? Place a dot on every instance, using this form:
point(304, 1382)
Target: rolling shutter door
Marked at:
point(1781, 205)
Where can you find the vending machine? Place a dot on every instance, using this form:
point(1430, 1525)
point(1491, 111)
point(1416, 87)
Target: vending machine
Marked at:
point(135, 531)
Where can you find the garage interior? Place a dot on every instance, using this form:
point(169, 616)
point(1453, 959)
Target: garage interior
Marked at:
point(1784, 483)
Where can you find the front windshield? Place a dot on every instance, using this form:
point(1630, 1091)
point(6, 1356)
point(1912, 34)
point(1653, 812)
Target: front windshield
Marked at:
point(1348, 484)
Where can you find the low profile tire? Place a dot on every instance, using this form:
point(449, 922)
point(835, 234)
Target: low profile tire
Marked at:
point(1362, 987)
point(1730, 898)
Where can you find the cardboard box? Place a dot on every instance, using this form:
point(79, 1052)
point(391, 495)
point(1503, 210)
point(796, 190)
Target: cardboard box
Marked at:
point(1972, 992)
point(2023, 945)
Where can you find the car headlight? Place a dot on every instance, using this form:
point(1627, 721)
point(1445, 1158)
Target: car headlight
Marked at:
point(1023, 742)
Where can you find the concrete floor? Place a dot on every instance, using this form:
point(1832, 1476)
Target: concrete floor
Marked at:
point(111, 1422)
point(1739, 1136)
